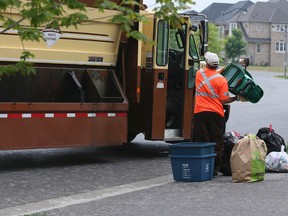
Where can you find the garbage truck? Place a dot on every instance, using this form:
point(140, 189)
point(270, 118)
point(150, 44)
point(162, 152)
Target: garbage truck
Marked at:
point(95, 87)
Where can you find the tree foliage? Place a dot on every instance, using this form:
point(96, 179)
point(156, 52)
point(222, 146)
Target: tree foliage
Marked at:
point(41, 13)
point(166, 9)
point(215, 44)
point(235, 45)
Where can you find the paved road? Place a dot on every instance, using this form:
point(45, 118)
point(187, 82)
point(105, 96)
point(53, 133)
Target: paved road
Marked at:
point(41, 175)
point(271, 109)
point(125, 184)
point(136, 179)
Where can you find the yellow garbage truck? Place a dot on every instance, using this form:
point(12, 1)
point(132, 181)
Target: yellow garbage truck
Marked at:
point(94, 87)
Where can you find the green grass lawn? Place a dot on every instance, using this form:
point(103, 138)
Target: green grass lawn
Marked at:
point(262, 68)
point(282, 77)
point(270, 69)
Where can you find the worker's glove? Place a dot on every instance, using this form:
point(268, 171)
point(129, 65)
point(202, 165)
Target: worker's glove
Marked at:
point(240, 98)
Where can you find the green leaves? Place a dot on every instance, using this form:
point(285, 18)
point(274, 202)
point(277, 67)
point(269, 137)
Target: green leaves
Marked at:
point(166, 9)
point(23, 67)
point(4, 4)
point(128, 17)
point(235, 45)
point(72, 19)
point(215, 44)
point(29, 34)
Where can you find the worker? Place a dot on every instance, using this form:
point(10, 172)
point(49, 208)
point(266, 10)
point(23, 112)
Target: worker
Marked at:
point(211, 95)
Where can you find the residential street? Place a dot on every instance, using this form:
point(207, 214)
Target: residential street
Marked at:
point(137, 179)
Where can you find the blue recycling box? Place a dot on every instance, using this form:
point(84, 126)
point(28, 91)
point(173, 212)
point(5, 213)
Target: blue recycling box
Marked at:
point(193, 162)
point(192, 148)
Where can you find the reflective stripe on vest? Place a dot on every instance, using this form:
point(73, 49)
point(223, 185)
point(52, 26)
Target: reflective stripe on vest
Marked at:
point(207, 82)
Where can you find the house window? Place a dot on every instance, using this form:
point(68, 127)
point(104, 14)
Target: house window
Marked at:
point(259, 27)
point(280, 27)
point(280, 46)
point(258, 48)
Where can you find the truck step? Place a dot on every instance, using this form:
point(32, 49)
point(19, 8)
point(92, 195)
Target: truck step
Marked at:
point(172, 135)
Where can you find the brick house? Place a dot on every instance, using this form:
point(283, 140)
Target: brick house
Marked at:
point(264, 27)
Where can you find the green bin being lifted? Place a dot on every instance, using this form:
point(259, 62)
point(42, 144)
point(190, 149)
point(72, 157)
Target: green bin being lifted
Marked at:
point(240, 82)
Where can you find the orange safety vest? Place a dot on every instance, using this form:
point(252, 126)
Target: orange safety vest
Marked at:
point(211, 88)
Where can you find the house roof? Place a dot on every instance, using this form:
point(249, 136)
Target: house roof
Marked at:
point(273, 11)
point(233, 12)
point(214, 10)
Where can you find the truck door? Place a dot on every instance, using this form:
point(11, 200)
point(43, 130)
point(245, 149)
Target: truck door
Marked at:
point(183, 63)
point(155, 79)
point(168, 71)
point(147, 114)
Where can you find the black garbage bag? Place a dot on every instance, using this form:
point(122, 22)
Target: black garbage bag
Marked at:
point(229, 140)
point(273, 140)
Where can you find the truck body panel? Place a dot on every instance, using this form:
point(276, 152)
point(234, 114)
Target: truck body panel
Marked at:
point(94, 42)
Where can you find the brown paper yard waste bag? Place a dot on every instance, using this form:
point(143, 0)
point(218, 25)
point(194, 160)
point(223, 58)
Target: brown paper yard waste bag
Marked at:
point(248, 159)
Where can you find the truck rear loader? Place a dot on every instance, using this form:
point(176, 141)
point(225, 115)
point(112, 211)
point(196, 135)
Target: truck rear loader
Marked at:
point(95, 87)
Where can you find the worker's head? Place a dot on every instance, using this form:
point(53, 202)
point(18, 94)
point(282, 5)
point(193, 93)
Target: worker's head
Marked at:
point(212, 60)
point(206, 54)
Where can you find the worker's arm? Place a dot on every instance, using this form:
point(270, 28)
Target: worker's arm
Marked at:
point(220, 70)
point(230, 99)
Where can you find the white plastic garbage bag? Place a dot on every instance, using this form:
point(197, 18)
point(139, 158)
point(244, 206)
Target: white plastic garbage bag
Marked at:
point(277, 161)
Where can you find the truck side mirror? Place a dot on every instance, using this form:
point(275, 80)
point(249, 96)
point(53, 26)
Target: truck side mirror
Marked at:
point(203, 27)
point(194, 28)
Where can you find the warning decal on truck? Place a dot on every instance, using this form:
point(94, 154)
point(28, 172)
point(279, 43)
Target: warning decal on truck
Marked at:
point(51, 36)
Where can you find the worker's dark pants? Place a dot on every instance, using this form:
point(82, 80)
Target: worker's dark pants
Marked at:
point(208, 127)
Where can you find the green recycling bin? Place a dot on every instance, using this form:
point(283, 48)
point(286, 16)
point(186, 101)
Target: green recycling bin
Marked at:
point(240, 82)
